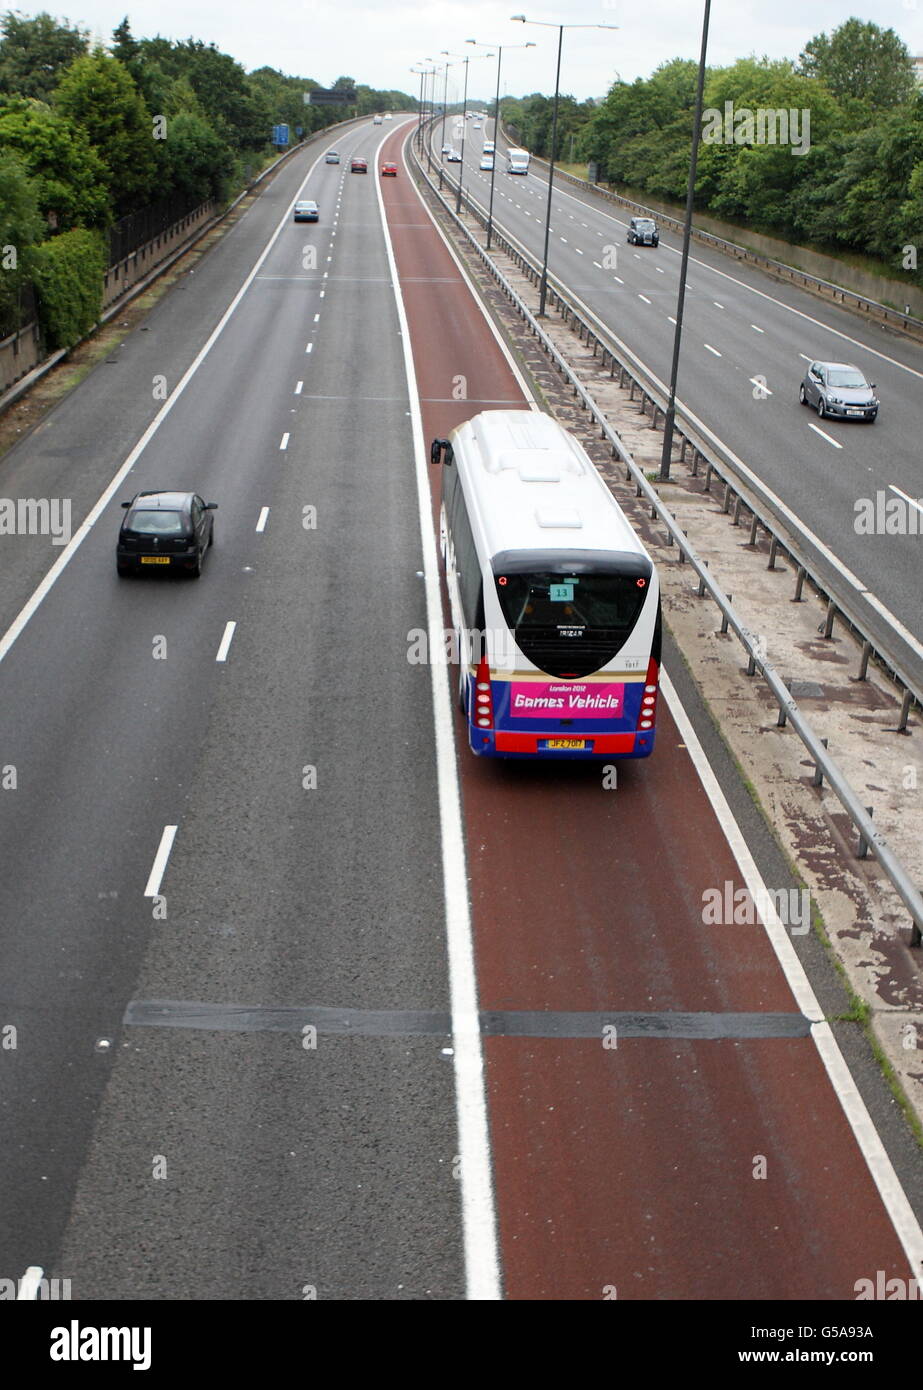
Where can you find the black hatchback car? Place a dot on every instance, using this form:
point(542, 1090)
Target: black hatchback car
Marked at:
point(643, 231)
point(165, 531)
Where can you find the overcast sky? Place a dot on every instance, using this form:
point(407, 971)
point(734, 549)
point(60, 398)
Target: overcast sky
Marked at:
point(377, 41)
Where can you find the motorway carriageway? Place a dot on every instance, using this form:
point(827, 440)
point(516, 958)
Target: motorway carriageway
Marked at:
point(169, 1127)
point(629, 1168)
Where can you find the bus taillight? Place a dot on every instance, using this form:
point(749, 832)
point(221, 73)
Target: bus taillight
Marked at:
point(648, 710)
point(482, 714)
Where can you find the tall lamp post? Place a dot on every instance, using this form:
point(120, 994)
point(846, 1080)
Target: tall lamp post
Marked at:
point(670, 417)
point(546, 24)
point(493, 166)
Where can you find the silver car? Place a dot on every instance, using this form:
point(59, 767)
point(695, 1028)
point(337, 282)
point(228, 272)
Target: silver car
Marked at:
point(839, 389)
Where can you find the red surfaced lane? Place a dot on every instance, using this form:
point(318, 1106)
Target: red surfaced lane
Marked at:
point(666, 1167)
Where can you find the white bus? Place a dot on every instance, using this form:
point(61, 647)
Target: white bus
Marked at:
point(555, 602)
point(517, 161)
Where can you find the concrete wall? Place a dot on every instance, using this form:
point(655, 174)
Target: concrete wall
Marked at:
point(124, 274)
point(18, 355)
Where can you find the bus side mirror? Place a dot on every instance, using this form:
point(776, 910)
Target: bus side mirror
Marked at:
point(441, 449)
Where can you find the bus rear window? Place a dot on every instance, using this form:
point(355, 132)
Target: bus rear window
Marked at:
point(544, 600)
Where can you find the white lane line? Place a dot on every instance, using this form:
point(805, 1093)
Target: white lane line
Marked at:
point(285, 439)
point(31, 606)
point(298, 388)
point(479, 1221)
point(711, 349)
point(564, 239)
point(29, 1284)
point(717, 305)
point(911, 501)
point(671, 319)
point(824, 435)
point(577, 249)
point(310, 347)
point(322, 293)
point(805, 357)
point(160, 861)
point(645, 298)
point(756, 329)
point(763, 388)
point(659, 269)
point(597, 265)
point(866, 1135)
point(263, 518)
point(618, 280)
point(222, 654)
point(317, 318)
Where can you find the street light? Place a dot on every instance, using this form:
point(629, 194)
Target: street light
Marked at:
point(670, 416)
point(493, 163)
point(546, 24)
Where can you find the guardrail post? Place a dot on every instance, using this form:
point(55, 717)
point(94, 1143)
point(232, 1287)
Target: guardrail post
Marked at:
point(864, 662)
point(654, 414)
point(708, 472)
point(783, 712)
point(727, 498)
point(754, 528)
point(905, 713)
point(701, 590)
point(724, 616)
point(737, 506)
point(799, 584)
point(818, 778)
point(682, 553)
point(773, 552)
point(863, 852)
point(828, 621)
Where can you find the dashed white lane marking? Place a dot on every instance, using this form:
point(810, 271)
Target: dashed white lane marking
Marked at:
point(222, 654)
point(158, 868)
point(824, 435)
point(263, 518)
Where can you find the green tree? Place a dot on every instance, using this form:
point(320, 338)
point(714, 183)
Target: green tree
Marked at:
point(861, 63)
point(68, 177)
point(97, 94)
point(68, 274)
point(34, 53)
point(21, 228)
point(198, 163)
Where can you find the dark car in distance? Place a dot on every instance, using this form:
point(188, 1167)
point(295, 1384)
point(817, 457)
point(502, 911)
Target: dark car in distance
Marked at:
point(839, 389)
point(306, 210)
point(643, 231)
point(165, 531)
